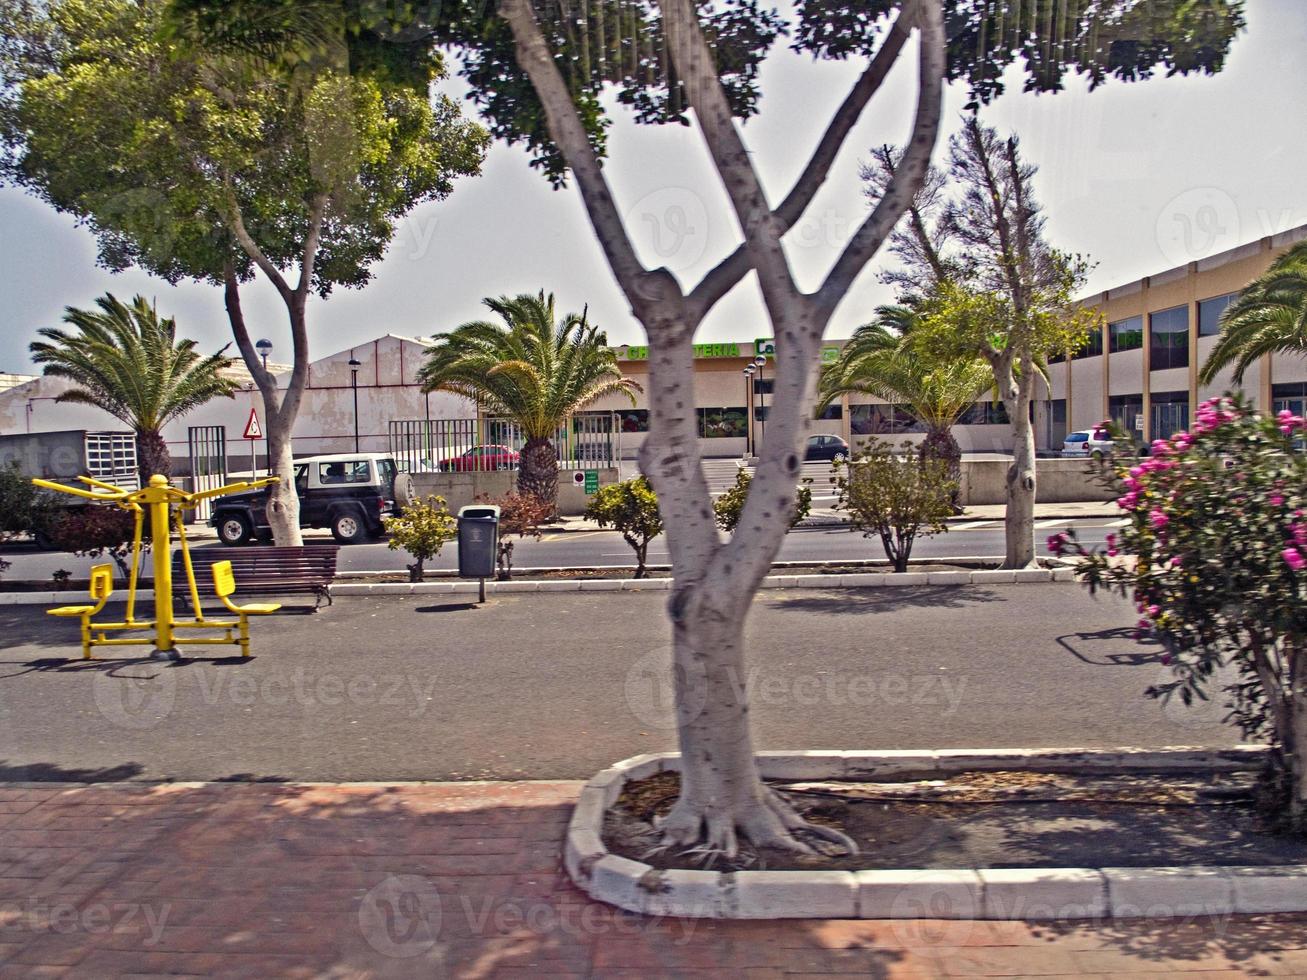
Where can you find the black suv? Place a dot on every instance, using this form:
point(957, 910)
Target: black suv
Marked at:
point(347, 492)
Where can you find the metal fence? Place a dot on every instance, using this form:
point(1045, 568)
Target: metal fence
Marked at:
point(588, 440)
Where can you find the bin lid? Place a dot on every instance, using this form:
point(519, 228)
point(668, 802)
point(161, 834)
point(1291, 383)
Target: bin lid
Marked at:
point(483, 511)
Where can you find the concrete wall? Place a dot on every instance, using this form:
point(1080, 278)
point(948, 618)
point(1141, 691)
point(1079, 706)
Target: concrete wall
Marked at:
point(1059, 481)
point(462, 489)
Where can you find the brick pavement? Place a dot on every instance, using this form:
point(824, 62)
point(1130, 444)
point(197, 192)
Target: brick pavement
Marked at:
point(463, 880)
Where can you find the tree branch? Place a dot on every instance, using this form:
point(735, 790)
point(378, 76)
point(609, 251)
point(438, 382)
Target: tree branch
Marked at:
point(311, 241)
point(694, 65)
point(642, 288)
point(907, 181)
point(236, 222)
point(726, 274)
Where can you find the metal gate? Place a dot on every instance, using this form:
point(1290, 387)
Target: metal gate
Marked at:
point(587, 440)
point(208, 444)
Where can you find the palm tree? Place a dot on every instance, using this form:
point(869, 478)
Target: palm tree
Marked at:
point(127, 361)
point(534, 369)
point(1269, 317)
point(883, 359)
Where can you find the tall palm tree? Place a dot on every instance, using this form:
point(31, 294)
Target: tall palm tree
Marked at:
point(883, 359)
point(534, 369)
point(127, 361)
point(1269, 317)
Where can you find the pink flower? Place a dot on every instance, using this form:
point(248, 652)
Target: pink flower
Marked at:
point(1294, 559)
point(1157, 519)
point(1277, 500)
point(1299, 532)
point(1057, 543)
point(1288, 421)
point(1161, 447)
point(1111, 546)
point(1128, 501)
point(1154, 612)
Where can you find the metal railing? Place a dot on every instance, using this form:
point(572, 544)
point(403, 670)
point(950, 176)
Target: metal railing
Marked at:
point(588, 440)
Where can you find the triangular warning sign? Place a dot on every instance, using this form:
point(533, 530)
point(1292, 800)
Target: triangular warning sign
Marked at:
point(252, 429)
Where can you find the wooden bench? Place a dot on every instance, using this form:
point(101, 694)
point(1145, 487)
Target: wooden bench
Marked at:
point(262, 570)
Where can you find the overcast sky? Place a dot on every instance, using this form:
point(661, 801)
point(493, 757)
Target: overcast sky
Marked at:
point(1138, 177)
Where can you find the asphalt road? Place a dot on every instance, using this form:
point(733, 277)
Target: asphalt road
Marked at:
point(598, 548)
point(560, 685)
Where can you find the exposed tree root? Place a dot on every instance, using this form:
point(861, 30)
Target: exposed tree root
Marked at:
point(769, 822)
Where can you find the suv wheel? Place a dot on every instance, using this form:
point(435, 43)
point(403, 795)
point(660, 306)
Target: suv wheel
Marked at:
point(347, 527)
point(234, 529)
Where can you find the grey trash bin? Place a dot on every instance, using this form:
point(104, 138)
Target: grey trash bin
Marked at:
point(478, 540)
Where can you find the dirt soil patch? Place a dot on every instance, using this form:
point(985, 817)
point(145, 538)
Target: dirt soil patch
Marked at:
point(992, 820)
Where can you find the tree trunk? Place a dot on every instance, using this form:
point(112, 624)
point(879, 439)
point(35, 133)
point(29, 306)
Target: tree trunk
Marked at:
point(722, 794)
point(152, 455)
point(1019, 522)
point(538, 475)
point(640, 551)
point(1295, 739)
point(283, 501)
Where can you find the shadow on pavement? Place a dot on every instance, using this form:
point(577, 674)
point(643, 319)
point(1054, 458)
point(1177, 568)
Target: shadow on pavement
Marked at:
point(887, 600)
point(47, 772)
point(1111, 648)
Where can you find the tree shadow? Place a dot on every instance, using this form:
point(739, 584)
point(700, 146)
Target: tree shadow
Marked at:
point(885, 600)
point(448, 607)
point(1110, 648)
point(48, 772)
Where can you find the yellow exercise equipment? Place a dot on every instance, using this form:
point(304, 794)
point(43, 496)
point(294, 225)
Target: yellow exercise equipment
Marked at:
point(157, 500)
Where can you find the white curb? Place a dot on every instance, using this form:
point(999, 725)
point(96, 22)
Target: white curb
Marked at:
point(1030, 894)
point(852, 580)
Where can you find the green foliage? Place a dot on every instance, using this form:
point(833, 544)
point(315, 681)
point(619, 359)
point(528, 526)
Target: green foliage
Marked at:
point(536, 369)
point(421, 529)
point(728, 507)
point(24, 509)
point(896, 496)
point(618, 46)
point(1269, 317)
point(1215, 560)
point(631, 508)
point(127, 361)
point(163, 147)
point(94, 531)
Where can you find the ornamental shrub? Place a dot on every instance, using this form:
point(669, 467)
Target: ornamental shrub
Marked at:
point(896, 496)
point(728, 507)
point(520, 514)
point(631, 508)
point(1215, 560)
point(96, 530)
point(421, 529)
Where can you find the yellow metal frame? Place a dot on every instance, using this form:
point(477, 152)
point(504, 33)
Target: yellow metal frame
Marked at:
point(157, 499)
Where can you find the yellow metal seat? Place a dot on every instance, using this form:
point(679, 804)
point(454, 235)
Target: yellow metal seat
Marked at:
point(101, 588)
point(224, 584)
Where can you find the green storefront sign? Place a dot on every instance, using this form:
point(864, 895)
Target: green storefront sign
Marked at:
point(700, 350)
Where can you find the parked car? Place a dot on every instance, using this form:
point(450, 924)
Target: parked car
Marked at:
point(347, 492)
point(1088, 442)
point(480, 458)
point(826, 447)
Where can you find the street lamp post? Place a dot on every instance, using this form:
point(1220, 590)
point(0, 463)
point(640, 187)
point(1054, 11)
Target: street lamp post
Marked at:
point(354, 383)
point(264, 347)
point(760, 362)
point(748, 400)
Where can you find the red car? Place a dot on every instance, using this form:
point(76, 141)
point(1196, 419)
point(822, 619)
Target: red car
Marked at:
point(481, 458)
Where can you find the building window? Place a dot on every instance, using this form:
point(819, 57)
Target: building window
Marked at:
point(721, 423)
point(1127, 334)
point(986, 413)
point(830, 413)
point(635, 420)
point(1056, 422)
point(1168, 331)
point(882, 420)
point(1093, 346)
point(1209, 314)
point(763, 386)
point(1289, 396)
point(1127, 411)
point(1170, 411)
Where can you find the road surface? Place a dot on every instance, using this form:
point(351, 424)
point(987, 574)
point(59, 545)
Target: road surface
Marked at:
point(560, 685)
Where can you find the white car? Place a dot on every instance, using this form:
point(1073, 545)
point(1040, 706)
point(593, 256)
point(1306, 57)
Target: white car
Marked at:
point(1088, 442)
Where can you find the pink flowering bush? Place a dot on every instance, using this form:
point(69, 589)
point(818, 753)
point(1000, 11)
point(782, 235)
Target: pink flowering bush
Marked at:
point(1215, 560)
